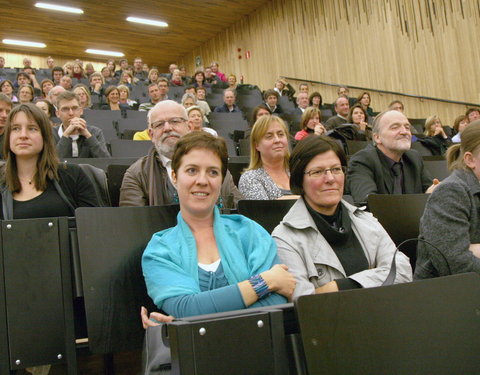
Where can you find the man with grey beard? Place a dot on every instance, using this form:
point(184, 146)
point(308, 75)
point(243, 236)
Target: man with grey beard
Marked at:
point(148, 181)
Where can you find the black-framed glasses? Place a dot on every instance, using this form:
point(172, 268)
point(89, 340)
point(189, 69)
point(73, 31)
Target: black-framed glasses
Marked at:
point(336, 171)
point(174, 122)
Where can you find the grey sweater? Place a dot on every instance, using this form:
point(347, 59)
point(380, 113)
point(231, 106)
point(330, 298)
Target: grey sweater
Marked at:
point(451, 222)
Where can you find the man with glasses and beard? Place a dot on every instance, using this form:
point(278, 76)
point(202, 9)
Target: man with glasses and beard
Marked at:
point(148, 181)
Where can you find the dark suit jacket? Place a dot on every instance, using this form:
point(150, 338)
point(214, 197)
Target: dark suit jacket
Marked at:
point(368, 175)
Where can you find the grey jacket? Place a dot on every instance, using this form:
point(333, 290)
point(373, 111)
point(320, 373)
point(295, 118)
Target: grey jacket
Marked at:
point(93, 147)
point(313, 261)
point(451, 222)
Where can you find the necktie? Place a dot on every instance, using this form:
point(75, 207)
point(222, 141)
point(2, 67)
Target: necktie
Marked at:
point(397, 178)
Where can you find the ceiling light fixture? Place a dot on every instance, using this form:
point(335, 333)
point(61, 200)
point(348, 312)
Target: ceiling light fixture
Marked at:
point(60, 8)
point(106, 53)
point(24, 43)
point(147, 21)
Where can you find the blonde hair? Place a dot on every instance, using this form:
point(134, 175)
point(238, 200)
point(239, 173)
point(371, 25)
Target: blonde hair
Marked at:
point(309, 113)
point(259, 129)
point(428, 125)
point(470, 143)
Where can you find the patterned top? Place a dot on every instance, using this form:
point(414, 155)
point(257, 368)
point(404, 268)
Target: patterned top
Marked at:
point(256, 184)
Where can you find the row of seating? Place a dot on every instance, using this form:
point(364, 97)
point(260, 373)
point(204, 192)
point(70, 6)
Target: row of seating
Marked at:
point(68, 260)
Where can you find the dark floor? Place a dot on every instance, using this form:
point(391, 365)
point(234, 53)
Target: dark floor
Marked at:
point(125, 363)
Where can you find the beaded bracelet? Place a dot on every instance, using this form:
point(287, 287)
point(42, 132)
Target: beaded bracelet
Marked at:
point(259, 286)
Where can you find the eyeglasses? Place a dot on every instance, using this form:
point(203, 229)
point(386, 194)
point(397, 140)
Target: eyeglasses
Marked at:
point(336, 171)
point(68, 109)
point(174, 122)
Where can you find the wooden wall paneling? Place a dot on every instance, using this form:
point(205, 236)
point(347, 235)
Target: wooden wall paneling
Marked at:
point(423, 47)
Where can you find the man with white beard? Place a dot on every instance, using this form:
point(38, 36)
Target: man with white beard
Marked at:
point(148, 181)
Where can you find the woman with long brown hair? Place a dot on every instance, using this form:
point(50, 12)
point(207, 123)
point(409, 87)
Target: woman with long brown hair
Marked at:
point(32, 183)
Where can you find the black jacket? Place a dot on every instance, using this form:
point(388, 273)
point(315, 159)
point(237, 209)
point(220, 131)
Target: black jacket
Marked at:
point(73, 186)
point(368, 175)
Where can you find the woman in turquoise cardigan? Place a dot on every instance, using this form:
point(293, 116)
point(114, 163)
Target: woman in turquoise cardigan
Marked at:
point(209, 262)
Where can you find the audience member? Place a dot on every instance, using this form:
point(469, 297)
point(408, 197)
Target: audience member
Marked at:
point(155, 96)
point(209, 262)
point(148, 181)
point(357, 115)
point(6, 87)
point(459, 125)
point(451, 220)
point(284, 88)
point(310, 124)
point(201, 93)
point(123, 66)
point(127, 79)
point(124, 97)
point(45, 86)
point(2, 62)
point(473, 114)
point(107, 75)
point(341, 108)
point(216, 72)
point(232, 82)
point(303, 87)
point(5, 108)
point(302, 103)
point(47, 108)
point(68, 68)
point(25, 94)
point(76, 139)
point(176, 78)
point(53, 94)
point(229, 105)
point(328, 244)
point(138, 71)
point(390, 167)
point(210, 77)
point(267, 175)
point(258, 111)
point(66, 82)
point(112, 96)
point(196, 120)
point(50, 62)
point(396, 105)
point(199, 79)
point(83, 96)
point(89, 69)
point(436, 140)
point(33, 183)
point(153, 76)
point(364, 100)
point(57, 74)
point(78, 71)
point(96, 86)
point(315, 100)
point(271, 98)
point(345, 91)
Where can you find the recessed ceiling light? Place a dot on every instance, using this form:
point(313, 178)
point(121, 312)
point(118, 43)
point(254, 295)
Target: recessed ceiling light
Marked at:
point(60, 8)
point(147, 21)
point(24, 43)
point(106, 53)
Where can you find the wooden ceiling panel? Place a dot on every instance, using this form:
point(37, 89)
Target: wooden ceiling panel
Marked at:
point(103, 26)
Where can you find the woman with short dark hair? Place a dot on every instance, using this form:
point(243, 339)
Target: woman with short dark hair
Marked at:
point(210, 262)
point(327, 243)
